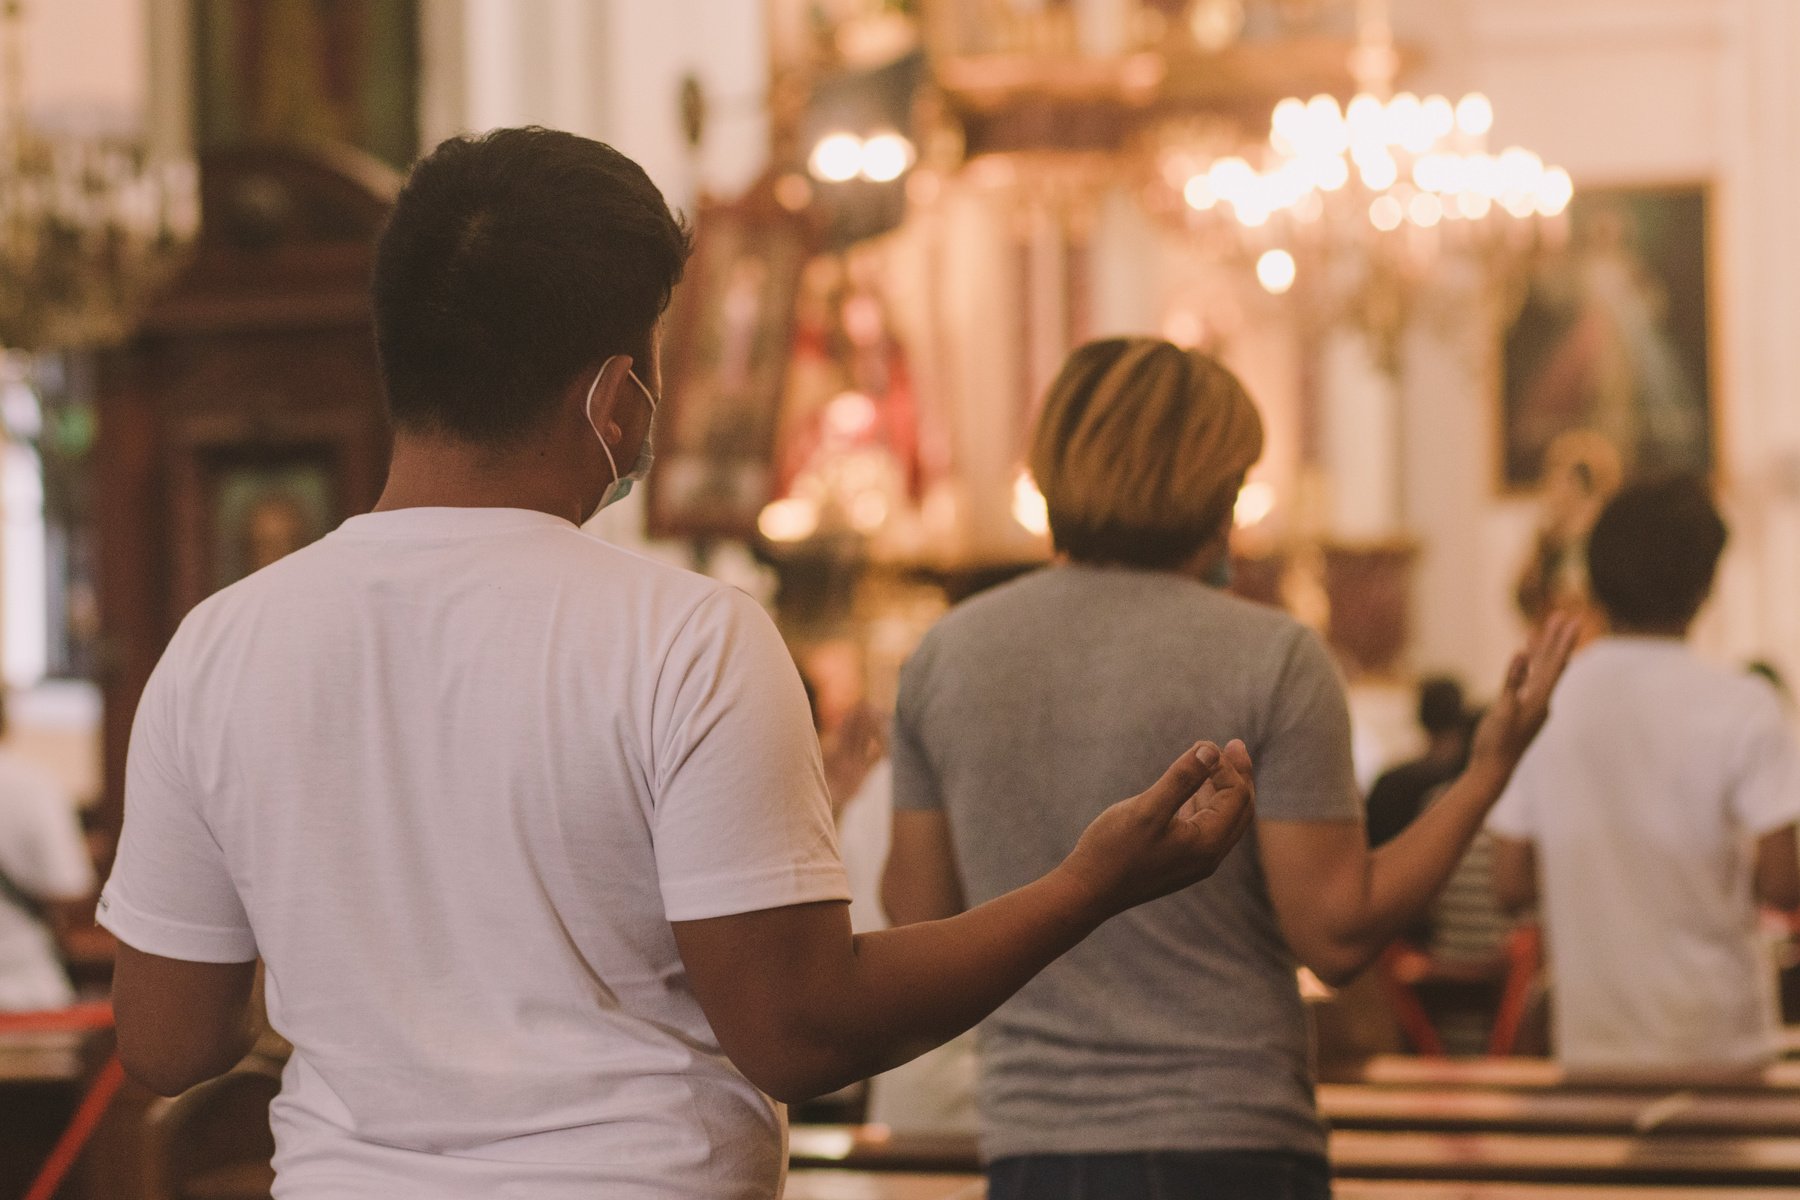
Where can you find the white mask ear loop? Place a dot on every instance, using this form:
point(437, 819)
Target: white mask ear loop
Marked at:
point(588, 411)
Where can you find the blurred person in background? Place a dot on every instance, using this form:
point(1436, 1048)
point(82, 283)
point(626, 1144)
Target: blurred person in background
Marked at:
point(1655, 812)
point(1168, 1055)
point(46, 880)
point(1400, 793)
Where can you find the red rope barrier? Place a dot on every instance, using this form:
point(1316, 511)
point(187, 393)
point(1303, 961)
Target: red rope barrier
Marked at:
point(91, 1017)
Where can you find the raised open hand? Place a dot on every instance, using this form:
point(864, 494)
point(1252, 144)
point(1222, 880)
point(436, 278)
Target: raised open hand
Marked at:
point(1175, 834)
point(1519, 711)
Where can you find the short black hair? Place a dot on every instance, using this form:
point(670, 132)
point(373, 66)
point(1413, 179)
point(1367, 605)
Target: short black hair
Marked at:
point(1442, 708)
point(513, 261)
point(1654, 550)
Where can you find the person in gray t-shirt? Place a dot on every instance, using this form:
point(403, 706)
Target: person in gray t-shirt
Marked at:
point(1167, 1054)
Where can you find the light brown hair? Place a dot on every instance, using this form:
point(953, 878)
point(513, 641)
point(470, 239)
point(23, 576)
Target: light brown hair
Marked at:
point(1140, 450)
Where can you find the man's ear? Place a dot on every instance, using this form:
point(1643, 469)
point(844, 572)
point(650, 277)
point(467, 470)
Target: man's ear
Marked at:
point(608, 391)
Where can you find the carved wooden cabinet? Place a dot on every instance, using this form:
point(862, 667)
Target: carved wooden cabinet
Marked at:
point(244, 417)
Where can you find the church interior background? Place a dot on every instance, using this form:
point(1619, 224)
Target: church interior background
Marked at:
point(1477, 260)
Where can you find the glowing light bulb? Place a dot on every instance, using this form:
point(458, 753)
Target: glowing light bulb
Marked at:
point(1425, 210)
point(885, 157)
point(868, 512)
point(1484, 176)
point(1333, 173)
point(1405, 119)
point(1326, 132)
point(1365, 118)
point(1276, 271)
point(1255, 501)
point(793, 519)
point(1433, 173)
point(1379, 173)
point(1475, 114)
point(1554, 192)
point(1440, 117)
point(1029, 508)
point(1474, 205)
point(1199, 194)
point(1386, 214)
point(1287, 127)
point(837, 158)
point(1520, 171)
point(1231, 177)
point(1252, 215)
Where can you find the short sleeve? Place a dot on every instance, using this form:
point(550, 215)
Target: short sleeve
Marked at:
point(42, 851)
point(915, 783)
point(742, 820)
point(1765, 792)
point(1515, 814)
point(1303, 765)
point(171, 892)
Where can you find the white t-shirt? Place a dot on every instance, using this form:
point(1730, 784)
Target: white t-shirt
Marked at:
point(452, 773)
point(1645, 794)
point(42, 852)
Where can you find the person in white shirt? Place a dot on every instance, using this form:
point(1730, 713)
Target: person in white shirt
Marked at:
point(1655, 811)
point(45, 873)
point(530, 833)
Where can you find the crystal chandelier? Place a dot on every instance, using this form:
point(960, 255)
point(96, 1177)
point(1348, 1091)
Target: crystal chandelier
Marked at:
point(88, 225)
point(1398, 177)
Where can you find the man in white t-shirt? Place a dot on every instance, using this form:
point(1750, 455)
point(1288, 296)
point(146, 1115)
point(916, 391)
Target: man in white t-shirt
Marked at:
point(45, 872)
point(1656, 809)
point(530, 833)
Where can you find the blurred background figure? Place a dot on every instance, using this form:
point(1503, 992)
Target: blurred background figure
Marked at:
point(1401, 792)
point(1582, 470)
point(1656, 811)
point(46, 883)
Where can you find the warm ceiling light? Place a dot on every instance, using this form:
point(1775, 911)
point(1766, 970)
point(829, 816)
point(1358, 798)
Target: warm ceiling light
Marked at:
point(1276, 270)
point(885, 157)
point(838, 157)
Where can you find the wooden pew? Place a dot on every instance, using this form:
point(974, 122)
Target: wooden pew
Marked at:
point(862, 1185)
point(1567, 1158)
point(1540, 1074)
point(1387, 1189)
point(1622, 1160)
point(1606, 1111)
point(872, 1148)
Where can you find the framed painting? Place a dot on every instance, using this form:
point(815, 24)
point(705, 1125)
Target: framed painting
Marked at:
point(308, 72)
point(1612, 337)
point(731, 329)
point(264, 511)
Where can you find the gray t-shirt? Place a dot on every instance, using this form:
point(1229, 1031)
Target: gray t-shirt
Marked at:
point(1024, 713)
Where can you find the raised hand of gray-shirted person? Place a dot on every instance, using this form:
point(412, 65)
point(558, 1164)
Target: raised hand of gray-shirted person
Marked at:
point(1519, 711)
point(1173, 835)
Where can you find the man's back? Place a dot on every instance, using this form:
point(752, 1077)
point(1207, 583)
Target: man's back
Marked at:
point(1643, 797)
point(462, 768)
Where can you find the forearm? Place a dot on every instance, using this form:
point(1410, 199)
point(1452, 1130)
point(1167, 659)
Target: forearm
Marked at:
point(1404, 876)
point(903, 991)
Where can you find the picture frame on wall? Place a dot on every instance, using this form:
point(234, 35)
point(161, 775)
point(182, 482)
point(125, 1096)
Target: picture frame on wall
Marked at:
point(725, 364)
point(1612, 335)
point(308, 72)
point(262, 511)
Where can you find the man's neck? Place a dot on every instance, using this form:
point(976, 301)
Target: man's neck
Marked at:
point(429, 472)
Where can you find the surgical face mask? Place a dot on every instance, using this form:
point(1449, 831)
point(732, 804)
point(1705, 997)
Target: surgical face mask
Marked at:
point(621, 485)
